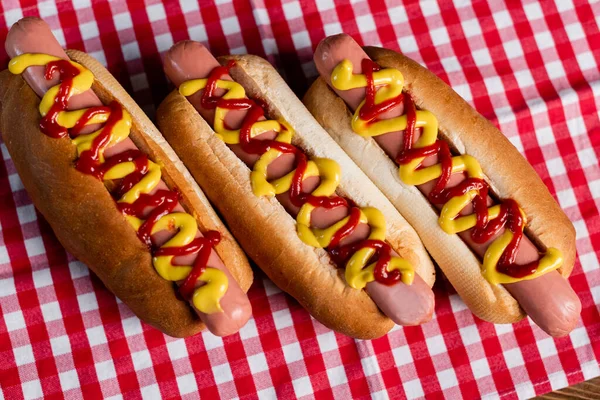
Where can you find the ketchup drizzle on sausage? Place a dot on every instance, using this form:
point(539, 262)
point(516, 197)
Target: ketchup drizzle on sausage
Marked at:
point(67, 72)
point(340, 254)
point(510, 215)
point(161, 203)
point(202, 246)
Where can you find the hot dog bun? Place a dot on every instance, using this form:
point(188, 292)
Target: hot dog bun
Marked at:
point(86, 220)
point(262, 225)
point(509, 175)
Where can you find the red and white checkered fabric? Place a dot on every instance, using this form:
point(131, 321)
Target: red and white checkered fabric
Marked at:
point(532, 69)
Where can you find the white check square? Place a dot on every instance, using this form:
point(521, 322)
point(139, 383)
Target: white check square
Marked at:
point(261, 16)
point(566, 198)
point(469, 334)
point(482, 57)
point(26, 213)
point(23, 355)
point(249, 330)
point(301, 39)
point(451, 64)
point(366, 23)
point(32, 389)
point(164, 41)
point(370, 365)
point(292, 352)
point(555, 69)
point(89, 30)
point(544, 135)
point(547, 347)
point(397, 15)
point(544, 40)
point(131, 51)
point(402, 355)
point(587, 157)
point(96, 335)
point(302, 386)
point(502, 19)
point(258, 363)
point(586, 60)
point(429, 7)
point(413, 389)
point(513, 49)
point(579, 337)
point(436, 345)
point(337, 376)
point(447, 378)
point(122, 21)
point(7, 285)
point(231, 25)
point(589, 261)
point(156, 12)
point(152, 392)
point(574, 31)
point(292, 10)
point(14, 321)
point(533, 11)
point(60, 345)
point(439, 36)
point(87, 302)
point(471, 27)
point(187, 384)
point(556, 167)
point(332, 28)
point(106, 370)
point(222, 373)
point(68, 380)
point(177, 349)
point(198, 33)
point(34, 246)
point(283, 319)
point(514, 358)
point(480, 368)
point(42, 278)
point(51, 311)
point(141, 360)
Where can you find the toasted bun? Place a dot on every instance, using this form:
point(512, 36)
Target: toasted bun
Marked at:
point(83, 215)
point(508, 173)
point(263, 227)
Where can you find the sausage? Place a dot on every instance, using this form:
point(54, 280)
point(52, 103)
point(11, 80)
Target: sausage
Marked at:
point(549, 300)
point(32, 35)
point(404, 304)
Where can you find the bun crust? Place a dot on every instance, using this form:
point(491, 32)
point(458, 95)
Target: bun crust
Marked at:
point(509, 175)
point(264, 229)
point(83, 214)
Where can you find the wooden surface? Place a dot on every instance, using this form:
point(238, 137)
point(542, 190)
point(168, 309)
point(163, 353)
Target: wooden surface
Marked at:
point(585, 390)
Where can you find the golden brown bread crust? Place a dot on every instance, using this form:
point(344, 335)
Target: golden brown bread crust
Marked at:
point(468, 132)
point(86, 220)
point(263, 227)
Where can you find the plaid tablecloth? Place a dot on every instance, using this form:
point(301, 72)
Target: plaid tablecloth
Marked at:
point(532, 69)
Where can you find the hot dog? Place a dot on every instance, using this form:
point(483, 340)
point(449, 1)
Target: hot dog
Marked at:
point(514, 247)
point(297, 204)
point(114, 192)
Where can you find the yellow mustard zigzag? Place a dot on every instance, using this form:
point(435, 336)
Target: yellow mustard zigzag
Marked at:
point(207, 297)
point(390, 82)
point(328, 170)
